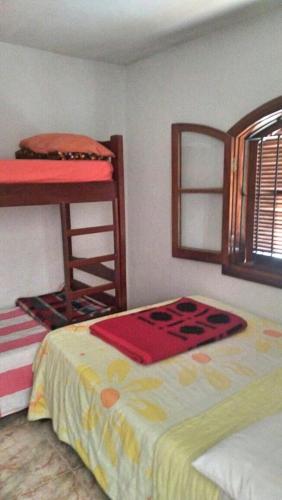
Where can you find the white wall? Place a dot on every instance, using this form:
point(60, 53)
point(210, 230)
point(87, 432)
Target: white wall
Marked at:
point(214, 80)
point(44, 92)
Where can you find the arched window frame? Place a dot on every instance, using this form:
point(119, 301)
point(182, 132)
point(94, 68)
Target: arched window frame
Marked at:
point(178, 249)
point(236, 220)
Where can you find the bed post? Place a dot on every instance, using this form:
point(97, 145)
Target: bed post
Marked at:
point(67, 255)
point(116, 145)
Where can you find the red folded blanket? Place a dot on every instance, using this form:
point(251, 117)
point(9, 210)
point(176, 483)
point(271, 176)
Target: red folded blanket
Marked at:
point(161, 332)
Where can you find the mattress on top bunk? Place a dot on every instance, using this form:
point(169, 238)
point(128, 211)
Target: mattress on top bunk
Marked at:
point(20, 337)
point(54, 171)
point(139, 428)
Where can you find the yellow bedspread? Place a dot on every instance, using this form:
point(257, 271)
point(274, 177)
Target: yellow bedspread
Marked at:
point(138, 428)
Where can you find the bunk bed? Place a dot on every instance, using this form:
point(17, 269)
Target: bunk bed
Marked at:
point(41, 182)
point(19, 191)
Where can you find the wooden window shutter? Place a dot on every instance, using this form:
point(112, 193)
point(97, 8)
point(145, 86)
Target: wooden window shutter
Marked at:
point(201, 158)
point(267, 225)
point(254, 244)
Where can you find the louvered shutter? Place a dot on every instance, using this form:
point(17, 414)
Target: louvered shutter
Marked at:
point(267, 233)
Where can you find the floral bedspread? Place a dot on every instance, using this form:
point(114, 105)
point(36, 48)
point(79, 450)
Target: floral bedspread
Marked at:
point(115, 413)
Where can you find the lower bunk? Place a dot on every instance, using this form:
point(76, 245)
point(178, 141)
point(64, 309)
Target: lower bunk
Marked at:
point(139, 428)
point(22, 328)
point(51, 309)
point(20, 337)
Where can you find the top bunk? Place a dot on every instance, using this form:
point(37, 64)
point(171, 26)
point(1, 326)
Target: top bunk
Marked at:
point(42, 182)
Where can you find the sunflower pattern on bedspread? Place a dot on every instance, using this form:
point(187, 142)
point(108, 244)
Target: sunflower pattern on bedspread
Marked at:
point(113, 411)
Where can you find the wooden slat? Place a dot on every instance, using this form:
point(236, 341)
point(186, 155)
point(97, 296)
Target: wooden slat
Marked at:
point(102, 297)
point(90, 230)
point(83, 262)
point(12, 195)
point(201, 190)
point(91, 290)
point(98, 269)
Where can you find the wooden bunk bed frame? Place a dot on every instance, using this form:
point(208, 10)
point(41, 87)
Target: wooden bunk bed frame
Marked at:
point(66, 193)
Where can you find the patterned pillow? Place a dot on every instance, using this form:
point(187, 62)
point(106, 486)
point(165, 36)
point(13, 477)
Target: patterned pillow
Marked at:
point(64, 143)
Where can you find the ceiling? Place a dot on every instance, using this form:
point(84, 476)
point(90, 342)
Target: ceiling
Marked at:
point(117, 31)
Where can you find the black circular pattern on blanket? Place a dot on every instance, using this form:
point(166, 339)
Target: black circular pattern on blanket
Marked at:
point(198, 330)
point(160, 316)
point(186, 307)
point(218, 319)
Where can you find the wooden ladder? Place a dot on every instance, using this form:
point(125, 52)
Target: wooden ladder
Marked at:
point(93, 265)
point(116, 278)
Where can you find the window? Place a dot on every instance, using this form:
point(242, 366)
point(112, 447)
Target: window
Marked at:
point(254, 219)
point(200, 165)
point(267, 219)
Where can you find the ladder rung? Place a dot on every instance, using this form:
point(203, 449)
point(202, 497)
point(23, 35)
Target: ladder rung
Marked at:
point(105, 298)
point(98, 269)
point(91, 290)
point(89, 230)
point(76, 263)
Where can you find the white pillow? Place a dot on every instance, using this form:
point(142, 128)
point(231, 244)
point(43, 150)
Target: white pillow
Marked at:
point(248, 464)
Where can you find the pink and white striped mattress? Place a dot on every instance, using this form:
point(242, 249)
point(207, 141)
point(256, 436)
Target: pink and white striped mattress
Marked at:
point(20, 336)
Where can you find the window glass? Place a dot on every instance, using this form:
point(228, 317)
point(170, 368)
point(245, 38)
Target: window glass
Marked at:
point(202, 158)
point(201, 221)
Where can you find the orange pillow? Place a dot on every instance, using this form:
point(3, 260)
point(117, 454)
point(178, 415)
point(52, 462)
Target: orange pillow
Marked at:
point(48, 143)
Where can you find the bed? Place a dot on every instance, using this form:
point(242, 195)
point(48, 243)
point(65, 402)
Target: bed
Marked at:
point(137, 428)
point(33, 181)
point(42, 182)
point(20, 337)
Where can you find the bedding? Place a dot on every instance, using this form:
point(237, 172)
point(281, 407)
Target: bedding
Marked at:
point(20, 337)
point(161, 332)
point(58, 142)
point(28, 154)
point(248, 464)
point(139, 428)
point(50, 309)
point(54, 171)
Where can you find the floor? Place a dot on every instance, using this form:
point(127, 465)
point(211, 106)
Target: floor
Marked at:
point(35, 465)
